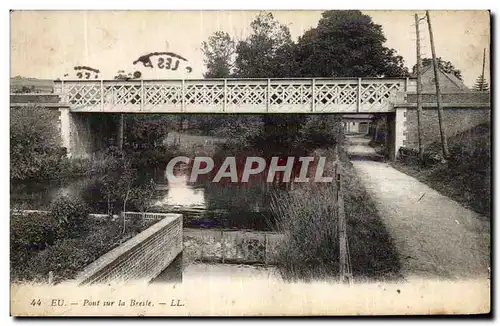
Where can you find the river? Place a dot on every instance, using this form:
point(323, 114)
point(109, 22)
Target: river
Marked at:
point(203, 204)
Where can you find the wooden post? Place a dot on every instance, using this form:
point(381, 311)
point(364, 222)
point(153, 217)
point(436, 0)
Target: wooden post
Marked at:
point(359, 95)
point(224, 105)
point(265, 249)
point(183, 101)
point(268, 94)
point(313, 95)
point(51, 278)
point(419, 94)
point(444, 141)
point(142, 95)
point(222, 244)
point(102, 95)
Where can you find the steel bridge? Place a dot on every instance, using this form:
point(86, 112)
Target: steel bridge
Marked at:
point(300, 95)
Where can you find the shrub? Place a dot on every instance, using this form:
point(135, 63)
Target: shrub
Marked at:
point(34, 146)
point(411, 156)
point(66, 257)
point(71, 214)
point(31, 232)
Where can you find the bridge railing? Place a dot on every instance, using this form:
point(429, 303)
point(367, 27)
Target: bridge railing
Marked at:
point(232, 95)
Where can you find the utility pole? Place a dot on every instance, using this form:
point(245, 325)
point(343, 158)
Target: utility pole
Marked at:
point(419, 94)
point(482, 75)
point(444, 141)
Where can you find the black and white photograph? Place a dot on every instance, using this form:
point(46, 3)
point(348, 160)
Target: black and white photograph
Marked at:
point(250, 162)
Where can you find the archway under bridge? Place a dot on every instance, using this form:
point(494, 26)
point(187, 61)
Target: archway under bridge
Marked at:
point(91, 132)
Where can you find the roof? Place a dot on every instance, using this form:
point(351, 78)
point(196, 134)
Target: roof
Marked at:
point(454, 79)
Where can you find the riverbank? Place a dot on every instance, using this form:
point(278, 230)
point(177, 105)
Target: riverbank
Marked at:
point(308, 219)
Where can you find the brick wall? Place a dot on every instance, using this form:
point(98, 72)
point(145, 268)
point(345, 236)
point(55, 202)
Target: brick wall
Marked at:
point(455, 120)
point(455, 98)
point(143, 257)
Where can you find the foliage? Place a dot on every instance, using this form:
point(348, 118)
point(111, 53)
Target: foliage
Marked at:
point(147, 131)
point(34, 148)
point(26, 89)
point(444, 66)
point(219, 53)
point(466, 175)
point(141, 195)
point(346, 43)
point(115, 178)
point(307, 218)
point(30, 232)
point(267, 52)
point(71, 214)
point(68, 256)
point(481, 84)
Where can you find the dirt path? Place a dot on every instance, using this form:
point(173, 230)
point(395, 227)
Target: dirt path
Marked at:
point(434, 235)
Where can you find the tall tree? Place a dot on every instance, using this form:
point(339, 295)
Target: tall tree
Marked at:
point(347, 43)
point(267, 52)
point(481, 84)
point(444, 66)
point(219, 53)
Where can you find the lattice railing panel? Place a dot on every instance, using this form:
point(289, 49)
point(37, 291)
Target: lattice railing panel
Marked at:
point(294, 94)
point(84, 94)
point(247, 94)
point(336, 94)
point(377, 93)
point(122, 94)
point(162, 94)
point(204, 94)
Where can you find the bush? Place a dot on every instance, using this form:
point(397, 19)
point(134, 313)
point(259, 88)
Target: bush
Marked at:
point(34, 146)
point(66, 257)
point(71, 214)
point(411, 156)
point(31, 232)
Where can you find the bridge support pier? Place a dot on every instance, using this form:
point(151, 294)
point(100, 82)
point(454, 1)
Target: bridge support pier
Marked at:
point(65, 129)
point(400, 130)
point(76, 135)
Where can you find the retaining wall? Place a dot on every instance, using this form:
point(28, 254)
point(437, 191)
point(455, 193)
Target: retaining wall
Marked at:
point(455, 121)
point(230, 246)
point(143, 257)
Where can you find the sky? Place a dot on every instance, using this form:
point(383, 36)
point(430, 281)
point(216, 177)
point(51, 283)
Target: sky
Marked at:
point(49, 44)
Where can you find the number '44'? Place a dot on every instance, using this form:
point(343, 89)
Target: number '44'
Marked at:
point(36, 302)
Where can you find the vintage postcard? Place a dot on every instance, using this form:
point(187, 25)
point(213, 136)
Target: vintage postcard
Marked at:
point(250, 163)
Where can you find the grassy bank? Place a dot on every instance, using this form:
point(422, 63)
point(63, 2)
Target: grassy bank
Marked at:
point(373, 253)
point(466, 176)
point(38, 246)
point(307, 216)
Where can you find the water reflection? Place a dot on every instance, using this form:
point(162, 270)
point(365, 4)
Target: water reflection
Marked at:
point(180, 194)
point(203, 204)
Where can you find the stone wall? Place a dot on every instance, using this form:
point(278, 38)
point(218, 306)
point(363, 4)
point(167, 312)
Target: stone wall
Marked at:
point(230, 246)
point(142, 258)
point(455, 121)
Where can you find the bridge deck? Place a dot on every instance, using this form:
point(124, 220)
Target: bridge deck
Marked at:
point(328, 95)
